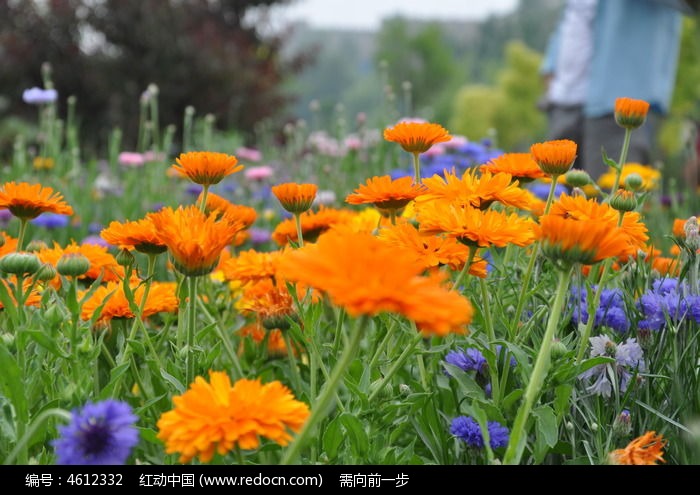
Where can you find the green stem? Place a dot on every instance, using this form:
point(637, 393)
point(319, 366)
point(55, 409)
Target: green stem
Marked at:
point(523, 291)
point(203, 204)
point(292, 362)
point(320, 406)
point(550, 196)
point(491, 333)
point(235, 361)
point(583, 342)
point(300, 235)
point(380, 347)
point(24, 439)
point(416, 167)
point(518, 436)
point(191, 325)
point(465, 268)
point(22, 231)
point(397, 365)
point(621, 163)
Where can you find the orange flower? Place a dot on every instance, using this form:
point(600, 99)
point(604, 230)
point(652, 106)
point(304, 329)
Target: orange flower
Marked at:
point(112, 299)
point(644, 450)
point(195, 240)
point(101, 261)
point(389, 281)
point(276, 346)
point(33, 299)
point(650, 176)
point(581, 241)
point(475, 227)
point(520, 166)
point(431, 251)
point(313, 224)
point(27, 201)
point(417, 137)
point(206, 167)
point(9, 245)
point(251, 265)
point(245, 214)
point(271, 303)
point(679, 227)
point(386, 194)
point(216, 417)
point(630, 113)
point(140, 235)
point(554, 157)
point(476, 191)
point(295, 198)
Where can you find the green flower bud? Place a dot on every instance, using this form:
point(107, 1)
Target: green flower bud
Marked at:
point(20, 263)
point(634, 182)
point(558, 349)
point(73, 264)
point(623, 200)
point(36, 245)
point(577, 178)
point(125, 258)
point(46, 273)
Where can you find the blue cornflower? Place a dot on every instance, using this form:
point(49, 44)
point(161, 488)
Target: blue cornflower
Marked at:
point(629, 358)
point(610, 313)
point(99, 433)
point(50, 220)
point(473, 360)
point(541, 190)
point(38, 96)
point(468, 430)
point(666, 301)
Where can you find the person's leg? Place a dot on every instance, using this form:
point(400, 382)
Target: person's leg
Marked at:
point(567, 123)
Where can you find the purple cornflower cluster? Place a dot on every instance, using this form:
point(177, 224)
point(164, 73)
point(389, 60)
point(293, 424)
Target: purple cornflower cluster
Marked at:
point(629, 358)
point(472, 359)
point(667, 301)
point(610, 313)
point(467, 429)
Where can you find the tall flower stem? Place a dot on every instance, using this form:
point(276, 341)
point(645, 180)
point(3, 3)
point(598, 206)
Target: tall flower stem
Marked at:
point(396, 366)
point(191, 325)
point(319, 409)
point(623, 158)
point(491, 333)
point(465, 268)
point(22, 232)
point(203, 204)
point(518, 436)
point(300, 235)
point(416, 167)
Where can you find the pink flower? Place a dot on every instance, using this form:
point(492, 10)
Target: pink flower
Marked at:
point(455, 142)
point(152, 156)
point(131, 159)
point(248, 154)
point(353, 142)
point(258, 173)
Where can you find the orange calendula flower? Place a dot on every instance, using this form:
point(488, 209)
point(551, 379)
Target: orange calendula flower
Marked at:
point(32, 299)
point(581, 241)
point(194, 240)
point(245, 214)
point(28, 201)
point(216, 417)
point(389, 281)
point(679, 227)
point(313, 224)
point(417, 137)
point(474, 190)
point(521, 166)
point(114, 304)
point(295, 198)
point(250, 266)
point(645, 450)
point(650, 176)
point(554, 157)
point(140, 235)
point(9, 244)
point(475, 227)
point(206, 167)
point(385, 193)
point(102, 262)
point(276, 346)
point(630, 113)
point(270, 302)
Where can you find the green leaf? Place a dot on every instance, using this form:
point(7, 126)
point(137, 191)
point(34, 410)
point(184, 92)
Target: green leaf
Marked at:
point(561, 401)
point(466, 383)
point(332, 439)
point(149, 435)
point(179, 387)
point(359, 442)
point(12, 382)
point(40, 337)
point(114, 376)
point(547, 425)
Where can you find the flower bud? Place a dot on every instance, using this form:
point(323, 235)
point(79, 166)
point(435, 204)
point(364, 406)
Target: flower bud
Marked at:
point(558, 349)
point(577, 178)
point(36, 245)
point(20, 263)
point(634, 182)
point(125, 258)
point(46, 273)
point(623, 423)
point(623, 201)
point(73, 264)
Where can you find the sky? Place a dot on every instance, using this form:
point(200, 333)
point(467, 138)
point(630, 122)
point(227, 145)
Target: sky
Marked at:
point(368, 14)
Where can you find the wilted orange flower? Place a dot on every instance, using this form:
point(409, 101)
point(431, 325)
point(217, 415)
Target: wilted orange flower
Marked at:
point(28, 201)
point(161, 299)
point(276, 346)
point(216, 417)
point(417, 137)
point(630, 113)
point(389, 281)
point(385, 193)
point(245, 214)
point(645, 450)
point(430, 250)
point(520, 166)
point(474, 190)
point(206, 167)
point(102, 262)
point(295, 198)
point(313, 224)
point(251, 265)
point(140, 235)
point(194, 240)
point(554, 157)
point(650, 176)
point(475, 227)
point(581, 241)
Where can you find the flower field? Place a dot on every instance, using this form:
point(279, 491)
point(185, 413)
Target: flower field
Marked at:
point(392, 296)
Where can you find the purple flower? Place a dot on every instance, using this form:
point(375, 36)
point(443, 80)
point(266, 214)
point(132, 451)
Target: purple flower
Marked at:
point(38, 96)
point(541, 190)
point(259, 236)
point(629, 358)
point(97, 240)
point(469, 431)
point(99, 433)
point(469, 360)
point(50, 220)
point(611, 311)
point(666, 302)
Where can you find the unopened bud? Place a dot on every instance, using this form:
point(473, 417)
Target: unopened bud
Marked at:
point(73, 264)
point(125, 258)
point(46, 273)
point(20, 263)
point(577, 178)
point(623, 201)
point(36, 245)
point(634, 182)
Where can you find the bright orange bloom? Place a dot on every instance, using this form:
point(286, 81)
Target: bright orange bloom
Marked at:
point(140, 235)
point(28, 201)
point(216, 417)
point(650, 176)
point(385, 193)
point(554, 157)
point(9, 246)
point(276, 346)
point(313, 224)
point(245, 214)
point(581, 241)
point(679, 227)
point(194, 240)
point(474, 190)
point(295, 198)
point(250, 266)
point(271, 303)
point(161, 299)
point(34, 297)
point(431, 251)
point(389, 281)
point(101, 261)
point(520, 166)
point(206, 167)
point(630, 113)
point(475, 227)
point(645, 451)
point(417, 137)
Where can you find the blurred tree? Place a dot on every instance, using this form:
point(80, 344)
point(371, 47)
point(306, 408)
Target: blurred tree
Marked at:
point(220, 56)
